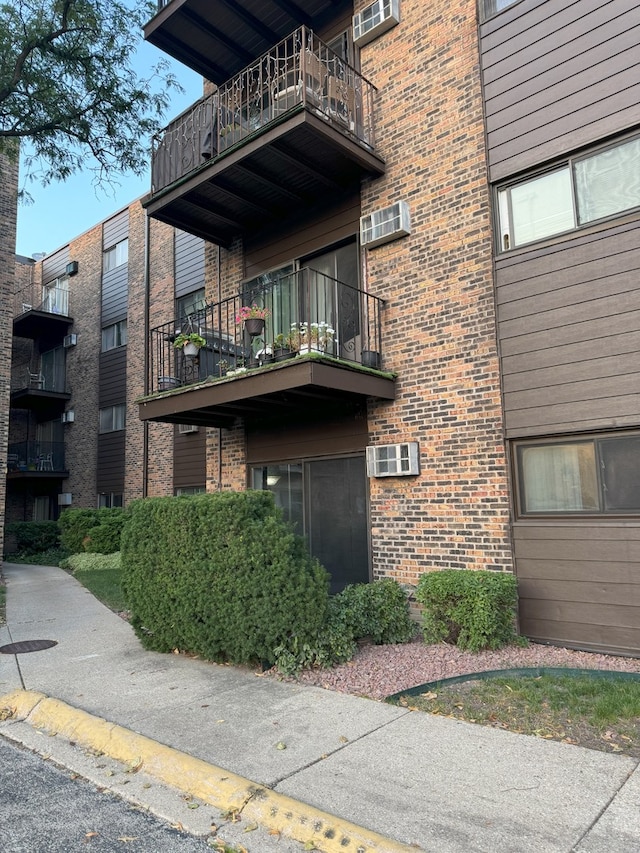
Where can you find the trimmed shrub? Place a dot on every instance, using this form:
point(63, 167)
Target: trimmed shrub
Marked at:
point(78, 529)
point(379, 610)
point(33, 537)
point(472, 609)
point(220, 575)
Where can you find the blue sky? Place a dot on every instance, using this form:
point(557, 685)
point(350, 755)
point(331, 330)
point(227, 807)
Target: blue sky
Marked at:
point(63, 211)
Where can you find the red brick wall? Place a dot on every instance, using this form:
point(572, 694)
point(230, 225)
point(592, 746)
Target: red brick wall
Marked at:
point(439, 321)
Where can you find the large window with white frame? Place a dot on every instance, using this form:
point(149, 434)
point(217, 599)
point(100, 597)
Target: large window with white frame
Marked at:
point(595, 186)
point(599, 474)
point(114, 335)
point(112, 418)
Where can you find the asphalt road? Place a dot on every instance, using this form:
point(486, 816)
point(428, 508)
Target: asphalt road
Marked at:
point(46, 809)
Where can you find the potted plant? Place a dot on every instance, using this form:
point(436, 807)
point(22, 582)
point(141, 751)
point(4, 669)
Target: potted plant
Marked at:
point(313, 337)
point(189, 343)
point(253, 317)
point(282, 348)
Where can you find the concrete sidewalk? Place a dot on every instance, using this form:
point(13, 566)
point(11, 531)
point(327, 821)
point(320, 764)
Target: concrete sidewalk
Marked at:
point(318, 767)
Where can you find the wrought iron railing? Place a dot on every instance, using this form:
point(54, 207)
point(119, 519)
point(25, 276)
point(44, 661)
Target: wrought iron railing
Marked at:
point(36, 456)
point(300, 69)
point(51, 300)
point(306, 312)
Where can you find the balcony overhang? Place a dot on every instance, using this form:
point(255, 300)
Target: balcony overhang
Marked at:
point(300, 163)
point(217, 38)
point(277, 391)
point(36, 324)
point(44, 404)
point(31, 475)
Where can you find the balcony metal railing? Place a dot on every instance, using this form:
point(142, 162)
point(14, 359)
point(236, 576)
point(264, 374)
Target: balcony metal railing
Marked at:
point(36, 456)
point(299, 70)
point(51, 300)
point(307, 312)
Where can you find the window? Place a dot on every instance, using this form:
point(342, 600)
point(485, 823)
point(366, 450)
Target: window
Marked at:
point(192, 303)
point(55, 296)
point(112, 418)
point(109, 500)
point(582, 191)
point(492, 7)
point(593, 475)
point(191, 490)
point(53, 369)
point(114, 336)
point(115, 256)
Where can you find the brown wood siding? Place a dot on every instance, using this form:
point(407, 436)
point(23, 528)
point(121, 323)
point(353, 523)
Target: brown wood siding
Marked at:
point(558, 75)
point(115, 229)
point(569, 330)
point(319, 230)
point(189, 263)
point(189, 459)
point(111, 457)
point(578, 583)
point(55, 266)
point(333, 437)
point(113, 377)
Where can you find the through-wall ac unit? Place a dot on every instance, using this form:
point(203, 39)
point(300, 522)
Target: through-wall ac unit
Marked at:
point(68, 417)
point(375, 20)
point(384, 225)
point(70, 341)
point(65, 499)
point(183, 429)
point(393, 460)
point(72, 268)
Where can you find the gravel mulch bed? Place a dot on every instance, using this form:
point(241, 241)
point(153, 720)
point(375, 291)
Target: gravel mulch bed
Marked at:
point(379, 671)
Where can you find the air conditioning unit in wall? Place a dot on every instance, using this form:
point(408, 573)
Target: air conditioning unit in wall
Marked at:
point(393, 460)
point(184, 429)
point(72, 268)
point(375, 20)
point(68, 417)
point(65, 499)
point(69, 341)
point(384, 225)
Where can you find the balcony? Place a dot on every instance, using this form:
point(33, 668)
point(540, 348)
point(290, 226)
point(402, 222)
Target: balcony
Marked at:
point(36, 460)
point(42, 313)
point(319, 349)
point(290, 133)
point(216, 38)
point(44, 394)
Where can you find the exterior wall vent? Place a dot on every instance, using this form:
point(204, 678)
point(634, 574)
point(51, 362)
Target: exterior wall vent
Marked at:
point(393, 460)
point(70, 341)
point(68, 417)
point(65, 499)
point(384, 225)
point(72, 268)
point(184, 429)
point(375, 20)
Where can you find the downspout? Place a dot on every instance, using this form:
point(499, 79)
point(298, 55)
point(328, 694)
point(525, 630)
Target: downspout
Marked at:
point(145, 359)
point(219, 428)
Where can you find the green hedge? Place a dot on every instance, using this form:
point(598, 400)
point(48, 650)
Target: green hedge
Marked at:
point(96, 530)
point(473, 609)
point(219, 575)
point(33, 537)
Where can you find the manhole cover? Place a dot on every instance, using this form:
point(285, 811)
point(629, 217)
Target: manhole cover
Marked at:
point(27, 646)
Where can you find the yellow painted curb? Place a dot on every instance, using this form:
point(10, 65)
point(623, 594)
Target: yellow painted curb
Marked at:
point(218, 787)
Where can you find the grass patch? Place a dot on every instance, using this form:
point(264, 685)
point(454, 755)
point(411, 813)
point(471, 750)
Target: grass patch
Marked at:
point(587, 710)
point(106, 585)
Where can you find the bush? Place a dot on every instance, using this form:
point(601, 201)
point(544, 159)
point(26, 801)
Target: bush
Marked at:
point(33, 537)
point(78, 529)
point(379, 610)
point(473, 609)
point(220, 575)
point(91, 562)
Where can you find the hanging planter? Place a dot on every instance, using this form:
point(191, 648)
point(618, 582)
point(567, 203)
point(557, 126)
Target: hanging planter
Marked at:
point(254, 326)
point(189, 344)
point(253, 317)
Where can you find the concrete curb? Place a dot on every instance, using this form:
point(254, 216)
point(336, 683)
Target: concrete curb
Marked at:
point(213, 785)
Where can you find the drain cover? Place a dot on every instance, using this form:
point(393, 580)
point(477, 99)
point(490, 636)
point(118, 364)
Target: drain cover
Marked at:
point(27, 646)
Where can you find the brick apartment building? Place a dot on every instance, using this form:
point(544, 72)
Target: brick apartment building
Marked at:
point(450, 195)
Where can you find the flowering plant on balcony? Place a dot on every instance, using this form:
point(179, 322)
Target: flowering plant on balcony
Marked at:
point(317, 336)
point(190, 338)
point(251, 312)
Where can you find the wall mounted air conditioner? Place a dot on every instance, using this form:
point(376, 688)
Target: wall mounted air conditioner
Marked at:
point(184, 429)
point(375, 20)
point(72, 268)
point(393, 460)
point(65, 499)
point(68, 417)
point(70, 341)
point(384, 225)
